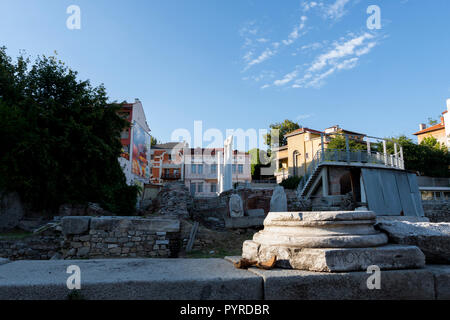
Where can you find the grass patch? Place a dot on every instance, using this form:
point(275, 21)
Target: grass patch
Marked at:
point(15, 235)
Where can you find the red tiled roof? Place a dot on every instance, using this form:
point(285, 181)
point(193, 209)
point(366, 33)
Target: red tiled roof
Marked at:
point(436, 127)
point(302, 130)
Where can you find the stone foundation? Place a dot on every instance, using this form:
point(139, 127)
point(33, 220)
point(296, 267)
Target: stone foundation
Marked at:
point(38, 247)
point(123, 237)
point(437, 211)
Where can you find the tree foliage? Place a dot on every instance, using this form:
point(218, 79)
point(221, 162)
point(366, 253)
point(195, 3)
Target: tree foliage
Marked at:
point(59, 137)
point(278, 131)
point(291, 182)
point(259, 159)
point(338, 142)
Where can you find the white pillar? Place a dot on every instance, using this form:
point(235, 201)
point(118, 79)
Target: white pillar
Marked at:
point(385, 153)
point(220, 172)
point(228, 159)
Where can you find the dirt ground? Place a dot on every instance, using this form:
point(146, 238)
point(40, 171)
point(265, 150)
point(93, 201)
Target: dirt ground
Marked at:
point(223, 243)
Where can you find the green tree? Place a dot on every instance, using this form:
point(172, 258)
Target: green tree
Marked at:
point(427, 158)
point(279, 130)
point(153, 141)
point(338, 142)
point(259, 159)
point(60, 138)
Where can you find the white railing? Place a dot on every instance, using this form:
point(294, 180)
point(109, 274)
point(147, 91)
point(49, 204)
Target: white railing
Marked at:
point(351, 157)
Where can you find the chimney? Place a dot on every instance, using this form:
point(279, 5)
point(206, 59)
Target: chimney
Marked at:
point(422, 126)
point(137, 100)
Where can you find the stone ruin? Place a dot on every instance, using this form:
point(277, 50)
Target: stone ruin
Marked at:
point(174, 199)
point(328, 241)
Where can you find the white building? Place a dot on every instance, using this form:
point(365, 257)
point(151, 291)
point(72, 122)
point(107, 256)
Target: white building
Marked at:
point(201, 170)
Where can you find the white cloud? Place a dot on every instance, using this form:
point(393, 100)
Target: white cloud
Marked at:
point(303, 117)
point(342, 50)
point(312, 46)
point(336, 10)
point(343, 56)
point(333, 11)
point(295, 34)
point(266, 54)
point(286, 79)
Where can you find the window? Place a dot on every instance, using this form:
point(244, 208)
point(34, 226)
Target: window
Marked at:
point(214, 168)
point(234, 168)
point(213, 188)
point(241, 168)
point(200, 187)
point(152, 157)
point(169, 156)
point(200, 169)
point(307, 155)
point(427, 195)
point(192, 188)
point(193, 168)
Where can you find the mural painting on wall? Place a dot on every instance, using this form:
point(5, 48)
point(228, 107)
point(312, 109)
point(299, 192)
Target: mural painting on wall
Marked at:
point(141, 150)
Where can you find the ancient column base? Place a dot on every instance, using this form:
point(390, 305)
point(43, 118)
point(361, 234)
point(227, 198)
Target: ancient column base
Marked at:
point(388, 257)
point(337, 241)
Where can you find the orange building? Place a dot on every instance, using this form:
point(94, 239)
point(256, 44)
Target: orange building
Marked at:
point(167, 162)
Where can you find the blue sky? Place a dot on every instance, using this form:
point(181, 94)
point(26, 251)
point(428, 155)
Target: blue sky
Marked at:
point(247, 63)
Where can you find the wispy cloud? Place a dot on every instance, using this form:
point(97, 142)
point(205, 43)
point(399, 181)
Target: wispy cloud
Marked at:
point(333, 11)
point(295, 34)
point(311, 63)
point(303, 117)
point(266, 54)
point(336, 10)
point(342, 56)
point(270, 49)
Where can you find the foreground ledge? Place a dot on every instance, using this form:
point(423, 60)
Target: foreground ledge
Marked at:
point(130, 279)
point(429, 283)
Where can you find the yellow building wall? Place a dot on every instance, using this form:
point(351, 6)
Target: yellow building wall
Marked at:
point(306, 145)
point(439, 135)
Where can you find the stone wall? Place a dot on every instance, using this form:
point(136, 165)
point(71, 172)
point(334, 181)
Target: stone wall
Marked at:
point(120, 237)
point(38, 247)
point(437, 211)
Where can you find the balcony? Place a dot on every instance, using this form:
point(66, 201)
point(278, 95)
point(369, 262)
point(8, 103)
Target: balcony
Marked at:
point(171, 176)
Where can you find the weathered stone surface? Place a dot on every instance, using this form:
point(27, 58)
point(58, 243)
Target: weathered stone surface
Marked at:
point(387, 257)
point(432, 238)
point(156, 224)
point(131, 279)
point(308, 285)
point(256, 213)
point(278, 202)
point(243, 222)
point(328, 229)
point(328, 242)
point(11, 211)
point(441, 280)
point(174, 199)
point(236, 206)
point(75, 225)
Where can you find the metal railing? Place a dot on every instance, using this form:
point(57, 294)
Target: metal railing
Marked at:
point(350, 156)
